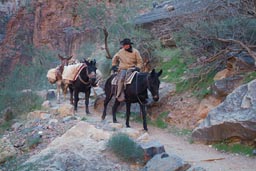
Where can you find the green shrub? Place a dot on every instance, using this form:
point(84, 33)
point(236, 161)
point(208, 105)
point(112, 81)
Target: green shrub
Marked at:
point(172, 64)
point(160, 120)
point(125, 148)
point(249, 77)
point(234, 148)
point(30, 77)
point(199, 38)
point(5, 125)
point(180, 132)
point(33, 141)
point(17, 91)
point(20, 102)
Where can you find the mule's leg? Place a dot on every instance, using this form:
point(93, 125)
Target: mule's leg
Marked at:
point(58, 84)
point(65, 90)
point(76, 99)
point(128, 113)
point(106, 101)
point(114, 109)
point(71, 91)
point(87, 96)
point(144, 116)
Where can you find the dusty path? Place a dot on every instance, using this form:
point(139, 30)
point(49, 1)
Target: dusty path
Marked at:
point(196, 154)
point(203, 155)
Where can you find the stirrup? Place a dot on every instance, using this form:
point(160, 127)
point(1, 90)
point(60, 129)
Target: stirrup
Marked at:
point(121, 97)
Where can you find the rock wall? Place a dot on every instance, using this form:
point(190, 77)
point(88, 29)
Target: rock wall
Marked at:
point(18, 35)
point(58, 27)
point(52, 24)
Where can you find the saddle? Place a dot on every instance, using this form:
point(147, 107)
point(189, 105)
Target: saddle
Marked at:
point(128, 78)
point(71, 72)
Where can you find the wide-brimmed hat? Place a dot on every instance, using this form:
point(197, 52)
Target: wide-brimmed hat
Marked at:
point(126, 41)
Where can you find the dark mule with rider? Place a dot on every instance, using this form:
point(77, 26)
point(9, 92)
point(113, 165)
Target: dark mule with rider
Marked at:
point(54, 76)
point(135, 92)
point(83, 83)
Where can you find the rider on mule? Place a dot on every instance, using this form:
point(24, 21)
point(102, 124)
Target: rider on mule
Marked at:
point(126, 58)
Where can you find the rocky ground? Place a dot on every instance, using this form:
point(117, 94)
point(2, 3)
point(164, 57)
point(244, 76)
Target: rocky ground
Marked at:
point(57, 132)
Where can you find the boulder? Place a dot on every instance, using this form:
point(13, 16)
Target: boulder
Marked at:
point(166, 162)
point(80, 148)
point(151, 149)
point(221, 88)
point(206, 105)
point(233, 118)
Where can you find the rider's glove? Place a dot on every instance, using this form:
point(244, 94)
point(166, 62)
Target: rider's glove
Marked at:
point(114, 68)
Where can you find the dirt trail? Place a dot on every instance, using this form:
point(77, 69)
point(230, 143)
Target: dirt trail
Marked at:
point(203, 155)
point(196, 154)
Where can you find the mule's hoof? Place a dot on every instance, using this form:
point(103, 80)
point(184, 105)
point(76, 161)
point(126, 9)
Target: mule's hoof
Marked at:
point(115, 121)
point(103, 117)
point(128, 126)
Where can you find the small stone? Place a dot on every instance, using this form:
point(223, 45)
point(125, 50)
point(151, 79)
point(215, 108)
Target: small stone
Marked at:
point(254, 152)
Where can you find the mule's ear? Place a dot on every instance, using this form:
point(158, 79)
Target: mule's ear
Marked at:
point(153, 72)
point(86, 61)
point(69, 57)
point(160, 72)
point(92, 63)
point(60, 57)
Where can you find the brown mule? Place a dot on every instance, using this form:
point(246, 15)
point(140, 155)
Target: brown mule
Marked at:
point(57, 78)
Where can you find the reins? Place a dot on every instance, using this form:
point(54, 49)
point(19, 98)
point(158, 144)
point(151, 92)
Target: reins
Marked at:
point(84, 82)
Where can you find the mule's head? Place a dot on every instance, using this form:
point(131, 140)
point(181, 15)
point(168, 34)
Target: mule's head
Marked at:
point(91, 71)
point(154, 83)
point(64, 61)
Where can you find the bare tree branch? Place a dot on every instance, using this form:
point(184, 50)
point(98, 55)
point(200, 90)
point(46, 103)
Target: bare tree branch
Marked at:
point(251, 53)
point(106, 43)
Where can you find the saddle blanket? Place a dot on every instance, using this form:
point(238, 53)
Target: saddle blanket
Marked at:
point(71, 72)
point(128, 79)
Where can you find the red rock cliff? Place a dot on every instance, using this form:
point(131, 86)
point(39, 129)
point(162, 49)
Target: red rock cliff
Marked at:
point(52, 24)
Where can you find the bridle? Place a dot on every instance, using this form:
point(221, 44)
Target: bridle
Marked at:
point(89, 76)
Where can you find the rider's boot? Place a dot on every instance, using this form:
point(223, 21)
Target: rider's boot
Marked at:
point(120, 93)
